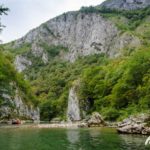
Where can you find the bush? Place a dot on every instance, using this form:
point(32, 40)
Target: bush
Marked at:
point(111, 114)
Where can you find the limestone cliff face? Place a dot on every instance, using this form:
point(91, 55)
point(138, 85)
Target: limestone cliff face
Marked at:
point(82, 33)
point(73, 112)
point(21, 63)
point(13, 106)
point(125, 4)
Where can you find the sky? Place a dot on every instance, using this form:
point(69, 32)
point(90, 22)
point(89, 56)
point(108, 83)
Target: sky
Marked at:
point(25, 15)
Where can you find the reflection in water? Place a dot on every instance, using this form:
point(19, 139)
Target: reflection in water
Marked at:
point(94, 132)
point(73, 136)
point(133, 141)
point(15, 137)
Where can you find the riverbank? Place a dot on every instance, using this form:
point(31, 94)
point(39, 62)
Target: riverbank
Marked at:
point(139, 124)
point(58, 125)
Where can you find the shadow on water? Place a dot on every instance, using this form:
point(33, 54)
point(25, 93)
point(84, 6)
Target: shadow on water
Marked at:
point(69, 139)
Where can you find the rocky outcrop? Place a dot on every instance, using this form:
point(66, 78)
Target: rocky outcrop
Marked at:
point(25, 110)
point(96, 120)
point(22, 63)
point(125, 4)
point(83, 34)
point(73, 112)
point(15, 107)
point(131, 129)
point(135, 125)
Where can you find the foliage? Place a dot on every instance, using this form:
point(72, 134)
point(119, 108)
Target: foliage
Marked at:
point(3, 10)
point(120, 85)
point(51, 83)
point(115, 88)
point(10, 80)
point(135, 17)
point(53, 50)
point(22, 49)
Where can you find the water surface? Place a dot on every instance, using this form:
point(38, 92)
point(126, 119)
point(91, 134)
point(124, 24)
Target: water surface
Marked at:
point(69, 139)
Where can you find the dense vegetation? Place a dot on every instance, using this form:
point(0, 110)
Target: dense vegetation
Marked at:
point(51, 83)
point(120, 88)
point(115, 88)
point(134, 17)
point(11, 80)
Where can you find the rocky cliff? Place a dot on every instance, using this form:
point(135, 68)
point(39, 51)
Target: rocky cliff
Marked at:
point(125, 4)
point(73, 112)
point(15, 107)
point(81, 33)
point(16, 99)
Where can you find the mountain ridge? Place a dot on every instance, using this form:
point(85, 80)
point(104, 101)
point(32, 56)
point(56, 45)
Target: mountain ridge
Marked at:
point(125, 4)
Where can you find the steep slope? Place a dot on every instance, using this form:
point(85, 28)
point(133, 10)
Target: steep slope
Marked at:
point(16, 99)
point(81, 33)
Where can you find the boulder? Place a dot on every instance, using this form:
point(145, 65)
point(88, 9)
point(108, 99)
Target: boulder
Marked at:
point(83, 125)
point(131, 129)
point(135, 125)
point(96, 120)
point(146, 131)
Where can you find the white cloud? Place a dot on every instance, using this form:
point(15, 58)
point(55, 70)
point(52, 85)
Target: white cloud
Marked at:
point(28, 14)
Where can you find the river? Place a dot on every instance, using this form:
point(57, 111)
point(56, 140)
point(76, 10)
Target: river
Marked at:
point(69, 139)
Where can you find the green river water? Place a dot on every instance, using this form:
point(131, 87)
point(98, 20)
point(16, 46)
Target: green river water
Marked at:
point(69, 139)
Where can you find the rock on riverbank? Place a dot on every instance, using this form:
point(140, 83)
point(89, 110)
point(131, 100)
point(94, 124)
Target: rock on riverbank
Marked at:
point(96, 120)
point(135, 125)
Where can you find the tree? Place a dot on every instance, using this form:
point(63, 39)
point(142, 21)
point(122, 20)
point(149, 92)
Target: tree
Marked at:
point(3, 10)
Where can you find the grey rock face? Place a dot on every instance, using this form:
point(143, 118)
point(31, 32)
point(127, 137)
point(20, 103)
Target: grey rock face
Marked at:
point(14, 106)
point(73, 112)
point(124, 40)
point(45, 58)
point(22, 63)
point(135, 125)
point(125, 4)
point(96, 120)
point(24, 110)
point(83, 34)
